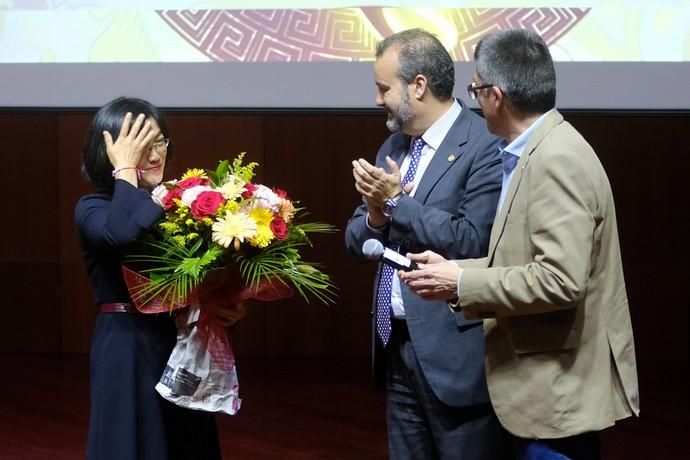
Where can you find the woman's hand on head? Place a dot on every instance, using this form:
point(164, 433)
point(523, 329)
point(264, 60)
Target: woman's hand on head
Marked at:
point(132, 142)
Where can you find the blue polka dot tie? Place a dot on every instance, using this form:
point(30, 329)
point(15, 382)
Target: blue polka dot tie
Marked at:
point(383, 293)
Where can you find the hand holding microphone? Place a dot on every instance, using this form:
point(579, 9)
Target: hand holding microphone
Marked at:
point(373, 249)
point(437, 280)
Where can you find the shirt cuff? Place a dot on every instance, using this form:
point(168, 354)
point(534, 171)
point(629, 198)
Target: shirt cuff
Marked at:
point(457, 286)
point(378, 230)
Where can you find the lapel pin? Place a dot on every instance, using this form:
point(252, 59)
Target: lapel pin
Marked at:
point(451, 157)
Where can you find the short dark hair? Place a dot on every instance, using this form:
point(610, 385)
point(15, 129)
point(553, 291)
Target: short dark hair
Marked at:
point(420, 52)
point(95, 164)
point(518, 62)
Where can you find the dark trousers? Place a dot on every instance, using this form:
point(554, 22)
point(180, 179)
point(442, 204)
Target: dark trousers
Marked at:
point(420, 426)
point(584, 446)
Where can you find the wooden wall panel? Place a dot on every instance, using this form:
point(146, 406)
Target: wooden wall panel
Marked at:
point(49, 304)
point(646, 159)
point(76, 298)
point(204, 139)
point(310, 156)
point(29, 237)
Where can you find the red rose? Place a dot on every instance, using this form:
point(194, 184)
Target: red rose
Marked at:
point(280, 192)
point(279, 227)
point(206, 204)
point(191, 182)
point(251, 188)
point(168, 199)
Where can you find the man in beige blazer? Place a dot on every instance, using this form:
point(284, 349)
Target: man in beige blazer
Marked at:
point(560, 359)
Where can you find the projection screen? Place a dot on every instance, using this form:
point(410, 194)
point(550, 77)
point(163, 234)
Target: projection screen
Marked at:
point(610, 54)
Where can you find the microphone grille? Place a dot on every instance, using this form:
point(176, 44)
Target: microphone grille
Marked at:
point(372, 249)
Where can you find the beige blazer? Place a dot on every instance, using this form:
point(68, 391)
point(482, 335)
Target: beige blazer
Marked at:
point(560, 356)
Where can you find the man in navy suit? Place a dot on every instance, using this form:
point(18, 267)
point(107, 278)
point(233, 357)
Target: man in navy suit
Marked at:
point(435, 185)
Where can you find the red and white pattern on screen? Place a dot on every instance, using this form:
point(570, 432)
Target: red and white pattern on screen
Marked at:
point(346, 34)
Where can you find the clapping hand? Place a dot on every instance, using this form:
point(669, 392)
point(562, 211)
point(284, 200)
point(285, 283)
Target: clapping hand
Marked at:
point(375, 184)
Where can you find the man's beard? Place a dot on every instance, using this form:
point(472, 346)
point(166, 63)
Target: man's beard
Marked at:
point(397, 121)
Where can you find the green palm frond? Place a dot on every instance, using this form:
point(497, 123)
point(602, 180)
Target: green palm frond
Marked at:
point(282, 260)
point(175, 270)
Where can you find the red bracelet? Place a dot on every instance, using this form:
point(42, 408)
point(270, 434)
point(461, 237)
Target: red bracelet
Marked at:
point(115, 171)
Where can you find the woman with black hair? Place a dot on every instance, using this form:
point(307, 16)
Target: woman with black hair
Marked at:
point(126, 151)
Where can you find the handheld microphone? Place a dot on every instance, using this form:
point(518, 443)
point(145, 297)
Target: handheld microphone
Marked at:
point(373, 249)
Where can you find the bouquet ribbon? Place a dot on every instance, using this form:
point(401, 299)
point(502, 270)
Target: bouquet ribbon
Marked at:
point(220, 296)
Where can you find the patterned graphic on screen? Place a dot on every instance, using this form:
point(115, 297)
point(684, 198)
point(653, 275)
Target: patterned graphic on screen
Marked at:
point(350, 34)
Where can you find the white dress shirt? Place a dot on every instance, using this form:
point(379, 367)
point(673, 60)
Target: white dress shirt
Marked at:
point(433, 137)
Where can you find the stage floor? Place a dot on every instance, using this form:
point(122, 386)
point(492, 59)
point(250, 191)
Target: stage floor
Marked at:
point(292, 409)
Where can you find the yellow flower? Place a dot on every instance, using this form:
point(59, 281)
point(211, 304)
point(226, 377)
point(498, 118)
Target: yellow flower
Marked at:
point(201, 225)
point(194, 172)
point(263, 237)
point(182, 209)
point(262, 216)
point(170, 227)
point(264, 234)
point(232, 206)
point(232, 189)
point(233, 229)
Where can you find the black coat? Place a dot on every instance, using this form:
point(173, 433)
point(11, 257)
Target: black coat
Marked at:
point(129, 420)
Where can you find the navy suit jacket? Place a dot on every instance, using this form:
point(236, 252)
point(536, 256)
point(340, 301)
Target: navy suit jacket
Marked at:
point(451, 213)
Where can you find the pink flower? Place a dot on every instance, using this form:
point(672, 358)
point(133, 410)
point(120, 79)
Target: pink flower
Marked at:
point(280, 192)
point(169, 199)
point(279, 227)
point(206, 204)
point(175, 192)
point(189, 195)
point(191, 182)
point(251, 188)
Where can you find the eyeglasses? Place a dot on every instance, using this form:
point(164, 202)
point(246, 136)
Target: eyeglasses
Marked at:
point(161, 144)
point(473, 91)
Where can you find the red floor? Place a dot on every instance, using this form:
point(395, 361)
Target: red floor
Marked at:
point(292, 409)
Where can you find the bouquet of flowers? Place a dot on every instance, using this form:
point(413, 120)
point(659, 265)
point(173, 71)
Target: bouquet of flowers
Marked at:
point(217, 218)
point(223, 239)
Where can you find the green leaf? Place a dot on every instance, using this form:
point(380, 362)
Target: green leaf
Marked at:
point(211, 255)
point(218, 175)
point(222, 170)
point(190, 267)
point(156, 277)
